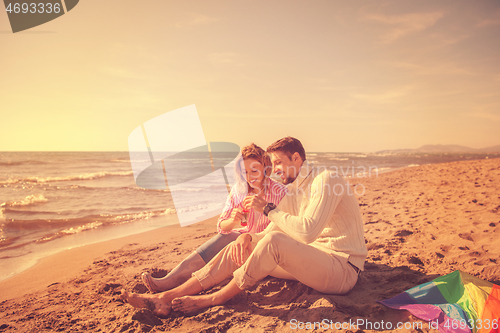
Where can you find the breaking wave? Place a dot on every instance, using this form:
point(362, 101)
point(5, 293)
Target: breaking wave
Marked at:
point(29, 200)
point(85, 176)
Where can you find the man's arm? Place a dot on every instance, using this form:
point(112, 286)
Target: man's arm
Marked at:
point(259, 204)
point(327, 190)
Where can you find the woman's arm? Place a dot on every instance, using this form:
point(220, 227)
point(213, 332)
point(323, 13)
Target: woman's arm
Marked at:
point(233, 221)
point(229, 219)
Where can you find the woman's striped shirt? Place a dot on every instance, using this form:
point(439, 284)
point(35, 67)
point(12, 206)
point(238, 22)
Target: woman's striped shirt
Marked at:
point(257, 221)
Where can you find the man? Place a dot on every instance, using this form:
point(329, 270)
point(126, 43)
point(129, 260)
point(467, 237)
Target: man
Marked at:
point(315, 236)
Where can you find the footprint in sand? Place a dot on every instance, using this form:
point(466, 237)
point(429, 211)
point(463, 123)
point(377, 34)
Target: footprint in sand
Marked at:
point(109, 289)
point(403, 233)
point(147, 317)
point(483, 262)
point(214, 315)
point(415, 260)
point(466, 236)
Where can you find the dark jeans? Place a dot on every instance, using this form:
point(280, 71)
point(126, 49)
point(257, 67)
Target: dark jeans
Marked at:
point(213, 246)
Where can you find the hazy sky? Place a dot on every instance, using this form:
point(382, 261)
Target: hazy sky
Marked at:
point(338, 75)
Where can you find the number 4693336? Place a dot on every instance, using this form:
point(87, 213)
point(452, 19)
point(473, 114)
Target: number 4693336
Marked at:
point(33, 8)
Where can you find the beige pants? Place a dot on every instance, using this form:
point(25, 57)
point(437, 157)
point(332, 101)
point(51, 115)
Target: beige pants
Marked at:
point(279, 255)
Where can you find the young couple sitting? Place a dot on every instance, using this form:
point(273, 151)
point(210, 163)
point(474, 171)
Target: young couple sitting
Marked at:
point(310, 230)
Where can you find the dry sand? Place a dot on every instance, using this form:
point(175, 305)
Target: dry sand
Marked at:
point(420, 223)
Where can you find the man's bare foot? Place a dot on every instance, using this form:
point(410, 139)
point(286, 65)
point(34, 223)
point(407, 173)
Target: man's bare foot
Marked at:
point(188, 304)
point(159, 306)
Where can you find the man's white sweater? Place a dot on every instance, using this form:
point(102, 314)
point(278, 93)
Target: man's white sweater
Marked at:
point(321, 210)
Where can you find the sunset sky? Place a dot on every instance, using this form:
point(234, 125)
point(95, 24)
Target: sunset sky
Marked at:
point(339, 75)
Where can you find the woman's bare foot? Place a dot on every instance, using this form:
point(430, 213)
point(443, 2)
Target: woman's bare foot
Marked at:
point(158, 305)
point(180, 274)
point(149, 282)
point(188, 304)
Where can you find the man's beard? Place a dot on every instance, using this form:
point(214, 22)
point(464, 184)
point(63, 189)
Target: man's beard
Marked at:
point(288, 180)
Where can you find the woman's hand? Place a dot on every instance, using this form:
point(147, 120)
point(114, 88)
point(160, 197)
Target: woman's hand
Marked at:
point(256, 202)
point(236, 215)
point(233, 220)
point(241, 248)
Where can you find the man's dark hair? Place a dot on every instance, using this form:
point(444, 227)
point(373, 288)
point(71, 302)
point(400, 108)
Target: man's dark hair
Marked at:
point(288, 146)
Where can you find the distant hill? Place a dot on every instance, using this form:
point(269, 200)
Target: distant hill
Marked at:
point(444, 149)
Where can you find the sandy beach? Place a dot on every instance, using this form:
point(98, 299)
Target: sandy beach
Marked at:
point(420, 223)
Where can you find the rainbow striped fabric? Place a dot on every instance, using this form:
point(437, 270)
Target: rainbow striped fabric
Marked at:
point(457, 302)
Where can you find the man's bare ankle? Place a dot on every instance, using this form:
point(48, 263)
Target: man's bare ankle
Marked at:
point(166, 297)
point(214, 300)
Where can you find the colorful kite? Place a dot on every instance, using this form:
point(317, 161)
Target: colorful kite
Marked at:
point(457, 302)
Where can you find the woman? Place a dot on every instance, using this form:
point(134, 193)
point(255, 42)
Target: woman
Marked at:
point(252, 173)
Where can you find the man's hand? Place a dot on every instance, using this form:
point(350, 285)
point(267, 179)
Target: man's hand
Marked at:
point(255, 202)
point(240, 249)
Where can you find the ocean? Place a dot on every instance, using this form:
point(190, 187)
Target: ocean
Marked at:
point(53, 201)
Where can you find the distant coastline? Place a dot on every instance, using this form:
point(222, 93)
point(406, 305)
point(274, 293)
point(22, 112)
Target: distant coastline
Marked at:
point(455, 149)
